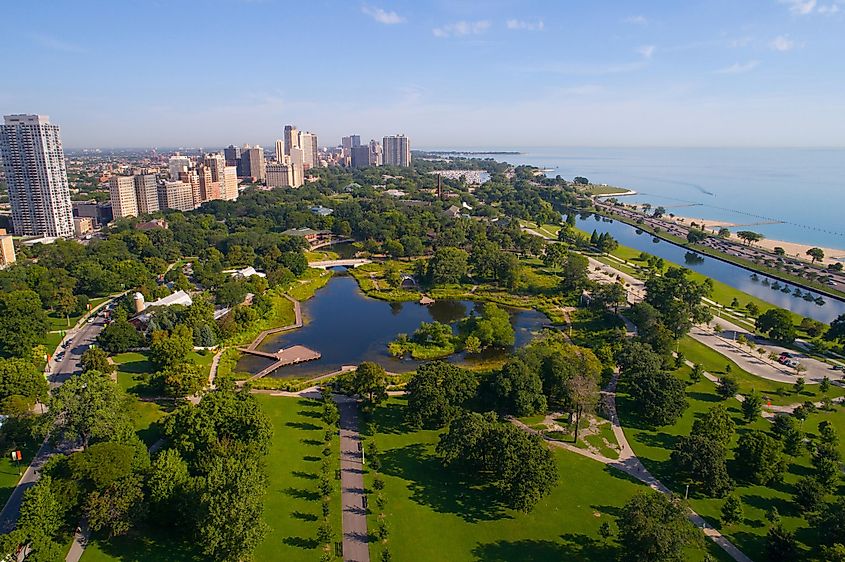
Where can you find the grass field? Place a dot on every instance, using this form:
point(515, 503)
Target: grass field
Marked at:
point(436, 514)
point(653, 447)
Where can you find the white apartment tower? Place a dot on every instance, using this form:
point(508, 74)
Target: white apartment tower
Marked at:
point(308, 144)
point(280, 150)
point(397, 151)
point(34, 164)
point(177, 165)
point(124, 202)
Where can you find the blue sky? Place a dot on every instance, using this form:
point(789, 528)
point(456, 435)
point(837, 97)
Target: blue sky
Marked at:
point(447, 73)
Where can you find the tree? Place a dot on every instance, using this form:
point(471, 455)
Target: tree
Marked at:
point(574, 272)
point(447, 265)
point(659, 398)
point(65, 303)
point(23, 322)
point(695, 236)
point(732, 510)
point(824, 385)
point(655, 528)
point(837, 329)
point(120, 336)
point(702, 461)
point(370, 382)
point(168, 349)
point(41, 514)
point(605, 531)
point(749, 237)
point(798, 386)
point(19, 377)
point(716, 425)
point(678, 298)
point(102, 464)
point(752, 308)
point(830, 522)
point(786, 429)
point(230, 504)
point(727, 387)
point(752, 406)
point(809, 494)
point(182, 379)
point(437, 393)
point(115, 508)
point(780, 544)
point(88, 407)
point(759, 457)
point(817, 254)
point(518, 390)
point(777, 323)
point(95, 359)
point(555, 256)
point(167, 484)
point(696, 373)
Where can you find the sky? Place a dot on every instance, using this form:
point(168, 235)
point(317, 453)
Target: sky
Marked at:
point(456, 73)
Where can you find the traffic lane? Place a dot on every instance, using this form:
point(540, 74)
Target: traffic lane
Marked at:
point(72, 352)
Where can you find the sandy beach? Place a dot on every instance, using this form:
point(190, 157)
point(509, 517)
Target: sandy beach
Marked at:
point(793, 249)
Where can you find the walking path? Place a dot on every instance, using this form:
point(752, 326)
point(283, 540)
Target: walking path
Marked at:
point(80, 540)
point(352, 491)
point(297, 312)
point(630, 464)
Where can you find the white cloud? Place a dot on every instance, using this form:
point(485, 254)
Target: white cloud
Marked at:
point(56, 44)
point(382, 16)
point(782, 43)
point(646, 51)
point(636, 20)
point(739, 68)
point(461, 28)
point(800, 7)
point(525, 25)
point(828, 9)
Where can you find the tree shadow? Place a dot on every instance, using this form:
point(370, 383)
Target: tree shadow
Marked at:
point(149, 545)
point(304, 475)
point(313, 442)
point(305, 426)
point(443, 490)
point(310, 458)
point(304, 516)
point(301, 494)
point(310, 414)
point(704, 396)
point(299, 542)
point(390, 419)
point(575, 548)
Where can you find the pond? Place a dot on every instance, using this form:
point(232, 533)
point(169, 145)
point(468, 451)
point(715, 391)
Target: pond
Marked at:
point(729, 274)
point(348, 327)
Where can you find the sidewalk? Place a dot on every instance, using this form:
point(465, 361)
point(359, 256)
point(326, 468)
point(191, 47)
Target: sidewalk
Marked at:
point(353, 492)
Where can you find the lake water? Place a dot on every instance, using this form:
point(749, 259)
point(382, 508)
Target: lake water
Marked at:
point(347, 327)
point(727, 273)
point(805, 188)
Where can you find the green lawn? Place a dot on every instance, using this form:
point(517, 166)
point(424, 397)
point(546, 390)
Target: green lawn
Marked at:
point(436, 514)
point(10, 472)
point(653, 447)
point(778, 393)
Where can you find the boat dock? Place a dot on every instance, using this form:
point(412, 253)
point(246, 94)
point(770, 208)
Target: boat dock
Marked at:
point(286, 356)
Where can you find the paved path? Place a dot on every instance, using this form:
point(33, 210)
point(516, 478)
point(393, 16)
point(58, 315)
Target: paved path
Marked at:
point(80, 540)
point(353, 262)
point(352, 495)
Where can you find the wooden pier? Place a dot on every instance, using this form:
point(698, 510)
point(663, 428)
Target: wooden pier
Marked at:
point(287, 356)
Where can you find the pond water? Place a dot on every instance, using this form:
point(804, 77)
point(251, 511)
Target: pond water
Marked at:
point(732, 275)
point(347, 327)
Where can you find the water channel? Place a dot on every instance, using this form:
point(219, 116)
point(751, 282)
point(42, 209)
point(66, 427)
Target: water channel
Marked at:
point(729, 274)
point(347, 327)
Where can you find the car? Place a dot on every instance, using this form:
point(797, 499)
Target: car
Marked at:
point(839, 367)
point(91, 320)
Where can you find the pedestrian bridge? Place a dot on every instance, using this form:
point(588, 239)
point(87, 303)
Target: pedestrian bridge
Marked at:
point(339, 263)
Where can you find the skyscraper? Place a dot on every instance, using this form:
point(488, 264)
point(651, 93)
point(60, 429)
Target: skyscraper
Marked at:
point(291, 138)
point(280, 150)
point(360, 156)
point(279, 175)
point(252, 163)
point(178, 164)
point(176, 195)
point(124, 202)
point(308, 144)
point(229, 191)
point(376, 153)
point(34, 164)
point(146, 193)
point(397, 150)
point(297, 161)
point(232, 154)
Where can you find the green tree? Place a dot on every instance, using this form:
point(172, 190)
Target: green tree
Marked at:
point(448, 265)
point(168, 349)
point(817, 254)
point(182, 379)
point(23, 322)
point(777, 323)
point(809, 494)
point(574, 272)
point(518, 390)
point(120, 336)
point(780, 544)
point(716, 425)
point(370, 382)
point(702, 462)
point(19, 377)
point(95, 359)
point(41, 515)
point(798, 386)
point(437, 393)
point(655, 528)
point(696, 373)
point(659, 398)
point(727, 388)
point(786, 429)
point(102, 464)
point(115, 508)
point(732, 510)
point(758, 457)
point(168, 485)
point(752, 406)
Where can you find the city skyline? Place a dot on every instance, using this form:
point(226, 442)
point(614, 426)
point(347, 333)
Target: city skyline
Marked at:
point(503, 74)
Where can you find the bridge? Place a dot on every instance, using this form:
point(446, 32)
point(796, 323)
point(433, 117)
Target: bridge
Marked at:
point(339, 263)
point(287, 356)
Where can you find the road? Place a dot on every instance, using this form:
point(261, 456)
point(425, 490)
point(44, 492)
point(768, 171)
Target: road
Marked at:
point(352, 491)
point(60, 370)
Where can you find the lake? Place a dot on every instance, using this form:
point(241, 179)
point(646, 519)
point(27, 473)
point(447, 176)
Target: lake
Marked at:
point(732, 275)
point(348, 327)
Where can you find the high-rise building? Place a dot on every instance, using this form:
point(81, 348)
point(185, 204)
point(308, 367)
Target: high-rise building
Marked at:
point(232, 154)
point(280, 175)
point(178, 164)
point(360, 156)
point(376, 153)
point(7, 249)
point(34, 165)
point(192, 178)
point(397, 150)
point(176, 195)
point(351, 141)
point(308, 144)
point(252, 163)
point(229, 192)
point(297, 163)
point(124, 202)
point(280, 150)
point(146, 193)
point(209, 189)
point(291, 138)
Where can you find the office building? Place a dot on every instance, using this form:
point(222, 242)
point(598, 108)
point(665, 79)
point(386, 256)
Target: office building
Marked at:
point(279, 175)
point(229, 190)
point(360, 156)
point(397, 150)
point(192, 178)
point(349, 142)
point(124, 202)
point(209, 189)
point(308, 144)
point(100, 213)
point(176, 195)
point(7, 249)
point(177, 165)
point(376, 153)
point(232, 154)
point(252, 163)
point(291, 138)
point(297, 163)
point(34, 165)
point(280, 150)
point(146, 193)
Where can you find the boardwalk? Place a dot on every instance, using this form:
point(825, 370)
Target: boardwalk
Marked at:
point(353, 493)
point(287, 356)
